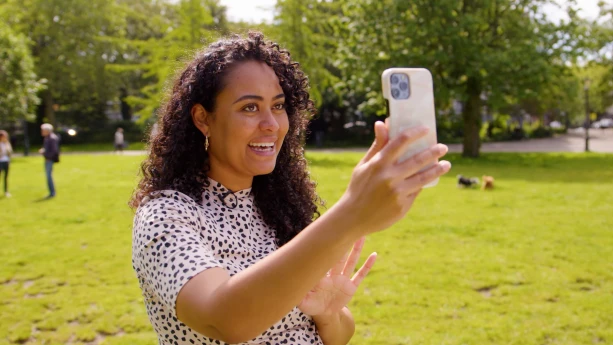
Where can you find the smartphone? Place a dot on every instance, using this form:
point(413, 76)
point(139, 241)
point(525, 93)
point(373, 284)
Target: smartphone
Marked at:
point(410, 103)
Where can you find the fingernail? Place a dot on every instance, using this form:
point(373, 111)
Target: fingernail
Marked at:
point(415, 130)
point(423, 129)
point(442, 148)
point(445, 165)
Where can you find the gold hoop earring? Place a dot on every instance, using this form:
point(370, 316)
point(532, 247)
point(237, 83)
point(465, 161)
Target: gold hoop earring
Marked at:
point(206, 143)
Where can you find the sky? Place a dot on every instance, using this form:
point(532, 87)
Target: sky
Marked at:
point(255, 11)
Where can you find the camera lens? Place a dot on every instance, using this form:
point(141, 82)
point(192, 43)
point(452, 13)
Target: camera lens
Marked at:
point(395, 93)
point(394, 79)
point(403, 86)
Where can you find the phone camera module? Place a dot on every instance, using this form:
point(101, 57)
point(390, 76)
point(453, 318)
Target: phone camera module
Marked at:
point(399, 85)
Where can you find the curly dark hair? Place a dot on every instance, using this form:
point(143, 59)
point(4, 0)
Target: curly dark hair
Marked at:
point(178, 160)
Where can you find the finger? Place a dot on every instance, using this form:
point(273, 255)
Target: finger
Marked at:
point(423, 159)
point(419, 180)
point(363, 271)
point(338, 267)
point(352, 261)
point(413, 196)
point(381, 138)
point(395, 148)
point(410, 200)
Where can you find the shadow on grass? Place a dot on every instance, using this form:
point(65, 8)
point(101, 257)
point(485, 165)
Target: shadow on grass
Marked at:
point(47, 198)
point(537, 167)
point(333, 160)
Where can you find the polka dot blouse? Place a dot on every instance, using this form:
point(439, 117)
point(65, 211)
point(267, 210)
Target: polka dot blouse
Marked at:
point(174, 239)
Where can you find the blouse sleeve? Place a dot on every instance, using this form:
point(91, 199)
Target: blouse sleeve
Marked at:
point(167, 248)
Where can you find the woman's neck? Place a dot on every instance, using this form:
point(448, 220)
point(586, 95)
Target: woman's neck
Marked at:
point(231, 181)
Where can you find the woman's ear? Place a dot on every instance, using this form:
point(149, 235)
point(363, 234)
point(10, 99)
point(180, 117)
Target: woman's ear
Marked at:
point(201, 119)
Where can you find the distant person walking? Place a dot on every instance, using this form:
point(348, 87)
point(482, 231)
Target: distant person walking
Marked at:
point(5, 159)
point(119, 140)
point(51, 152)
point(154, 130)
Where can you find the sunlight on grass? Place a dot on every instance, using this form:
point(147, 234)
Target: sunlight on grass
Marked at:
point(527, 263)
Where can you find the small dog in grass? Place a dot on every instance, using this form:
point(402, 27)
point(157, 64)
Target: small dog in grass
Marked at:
point(488, 182)
point(467, 182)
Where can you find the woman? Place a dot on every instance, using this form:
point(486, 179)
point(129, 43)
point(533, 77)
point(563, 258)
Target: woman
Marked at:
point(6, 150)
point(224, 243)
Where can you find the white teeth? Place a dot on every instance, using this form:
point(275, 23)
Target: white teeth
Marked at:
point(262, 144)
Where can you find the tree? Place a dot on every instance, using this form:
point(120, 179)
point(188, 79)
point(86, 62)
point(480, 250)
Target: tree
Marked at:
point(603, 51)
point(141, 23)
point(308, 29)
point(479, 51)
point(182, 28)
point(67, 53)
point(19, 84)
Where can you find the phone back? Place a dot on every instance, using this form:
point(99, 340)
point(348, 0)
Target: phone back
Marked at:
point(410, 96)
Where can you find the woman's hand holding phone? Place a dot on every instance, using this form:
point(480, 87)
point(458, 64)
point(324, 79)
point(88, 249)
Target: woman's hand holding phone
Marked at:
point(382, 189)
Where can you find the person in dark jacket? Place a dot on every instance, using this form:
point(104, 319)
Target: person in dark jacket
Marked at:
point(51, 152)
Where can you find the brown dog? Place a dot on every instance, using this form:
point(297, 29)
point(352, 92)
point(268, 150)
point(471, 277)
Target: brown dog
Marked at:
point(487, 182)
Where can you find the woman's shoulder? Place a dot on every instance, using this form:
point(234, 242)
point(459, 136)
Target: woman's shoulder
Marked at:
point(166, 209)
point(168, 196)
point(168, 200)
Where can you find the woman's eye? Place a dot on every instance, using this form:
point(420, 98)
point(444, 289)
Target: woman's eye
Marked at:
point(251, 108)
point(279, 106)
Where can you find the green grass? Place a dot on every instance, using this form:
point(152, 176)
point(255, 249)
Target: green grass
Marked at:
point(528, 263)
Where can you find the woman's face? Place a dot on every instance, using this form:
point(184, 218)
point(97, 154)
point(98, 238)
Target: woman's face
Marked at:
point(247, 126)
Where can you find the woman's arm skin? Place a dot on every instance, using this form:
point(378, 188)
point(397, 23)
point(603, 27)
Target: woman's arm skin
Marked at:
point(336, 329)
point(327, 301)
point(239, 308)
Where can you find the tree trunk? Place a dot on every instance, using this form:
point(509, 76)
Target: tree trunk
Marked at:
point(472, 119)
point(126, 110)
point(49, 113)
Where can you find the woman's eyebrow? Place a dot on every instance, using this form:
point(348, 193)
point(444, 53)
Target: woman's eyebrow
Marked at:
point(259, 98)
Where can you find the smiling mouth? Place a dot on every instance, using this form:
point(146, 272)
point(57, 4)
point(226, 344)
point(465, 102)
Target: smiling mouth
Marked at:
point(262, 147)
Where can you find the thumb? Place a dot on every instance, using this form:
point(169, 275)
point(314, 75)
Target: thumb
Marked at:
point(381, 138)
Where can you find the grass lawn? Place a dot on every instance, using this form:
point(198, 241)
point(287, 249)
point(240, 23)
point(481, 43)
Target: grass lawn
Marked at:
point(528, 263)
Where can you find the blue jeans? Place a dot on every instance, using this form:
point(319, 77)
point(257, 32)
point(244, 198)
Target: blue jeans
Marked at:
point(48, 171)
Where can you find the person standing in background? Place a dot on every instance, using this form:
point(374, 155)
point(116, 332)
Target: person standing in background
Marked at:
point(5, 158)
point(119, 141)
point(51, 152)
point(154, 130)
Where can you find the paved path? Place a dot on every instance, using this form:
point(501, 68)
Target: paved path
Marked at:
point(574, 141)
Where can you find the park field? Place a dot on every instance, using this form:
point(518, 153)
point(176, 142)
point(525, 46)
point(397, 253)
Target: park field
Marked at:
point(528, 263)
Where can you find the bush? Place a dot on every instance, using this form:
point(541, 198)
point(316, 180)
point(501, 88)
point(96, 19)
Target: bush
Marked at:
point(449, 131)
point(498, 130)
point(540, 132)
point(132, 133)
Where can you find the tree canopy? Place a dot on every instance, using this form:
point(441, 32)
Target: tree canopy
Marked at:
point(489, 58)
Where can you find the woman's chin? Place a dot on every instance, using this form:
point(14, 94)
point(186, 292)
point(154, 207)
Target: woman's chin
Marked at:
point(261, 168)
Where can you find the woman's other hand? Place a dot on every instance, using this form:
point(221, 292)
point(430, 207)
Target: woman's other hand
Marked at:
point(335, 290)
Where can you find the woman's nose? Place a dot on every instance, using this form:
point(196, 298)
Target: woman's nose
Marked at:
point(269, 122)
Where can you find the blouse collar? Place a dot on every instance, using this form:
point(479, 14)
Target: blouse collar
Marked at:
point(225, 197)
